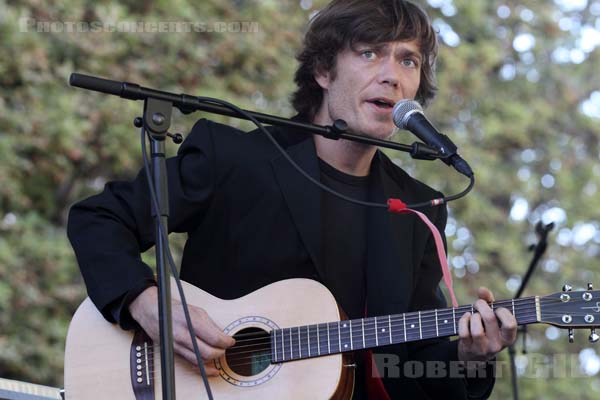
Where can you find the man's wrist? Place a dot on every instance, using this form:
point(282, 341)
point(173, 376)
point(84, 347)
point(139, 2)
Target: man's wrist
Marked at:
point(138, 307)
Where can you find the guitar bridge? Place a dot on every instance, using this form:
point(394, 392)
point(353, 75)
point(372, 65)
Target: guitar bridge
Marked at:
point(141, 365)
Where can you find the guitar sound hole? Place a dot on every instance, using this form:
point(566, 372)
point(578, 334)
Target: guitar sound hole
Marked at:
point(251, 353)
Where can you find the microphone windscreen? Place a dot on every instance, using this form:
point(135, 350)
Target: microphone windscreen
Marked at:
point(403, 110)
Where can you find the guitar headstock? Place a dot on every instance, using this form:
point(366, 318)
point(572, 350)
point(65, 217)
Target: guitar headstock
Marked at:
point(573, 310)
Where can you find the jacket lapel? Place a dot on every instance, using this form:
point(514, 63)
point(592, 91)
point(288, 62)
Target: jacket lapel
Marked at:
point(389, 248)
point(302, 196)
point(389, 270)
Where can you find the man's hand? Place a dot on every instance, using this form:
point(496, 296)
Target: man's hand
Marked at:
point(211, 340)
point(480, 335)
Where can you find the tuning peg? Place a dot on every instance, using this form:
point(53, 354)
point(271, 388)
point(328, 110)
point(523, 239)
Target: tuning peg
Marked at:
point(567, 288)
point(590, 286)
point(594, 336)
point(571, 335)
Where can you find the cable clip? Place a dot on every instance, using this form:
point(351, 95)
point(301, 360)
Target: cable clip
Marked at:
point(396, 205)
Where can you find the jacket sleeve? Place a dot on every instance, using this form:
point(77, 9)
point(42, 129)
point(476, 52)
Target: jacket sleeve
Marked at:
point(427, 295)
point(108, 231)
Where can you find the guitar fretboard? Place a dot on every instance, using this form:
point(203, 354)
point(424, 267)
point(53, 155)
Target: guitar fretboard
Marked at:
point(337, 337)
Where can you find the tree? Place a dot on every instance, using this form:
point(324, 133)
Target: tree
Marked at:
point(519, 94)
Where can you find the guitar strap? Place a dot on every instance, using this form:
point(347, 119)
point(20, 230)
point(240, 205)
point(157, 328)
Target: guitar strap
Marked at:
point(374, 384)
point(398, 207)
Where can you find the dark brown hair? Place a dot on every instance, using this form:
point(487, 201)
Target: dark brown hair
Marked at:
point(344, 23)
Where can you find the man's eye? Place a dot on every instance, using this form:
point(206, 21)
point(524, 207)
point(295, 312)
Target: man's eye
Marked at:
point(409, 63)
point(369, 54)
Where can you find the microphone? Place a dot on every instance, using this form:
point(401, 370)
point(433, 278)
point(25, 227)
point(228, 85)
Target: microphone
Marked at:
point(408, 115)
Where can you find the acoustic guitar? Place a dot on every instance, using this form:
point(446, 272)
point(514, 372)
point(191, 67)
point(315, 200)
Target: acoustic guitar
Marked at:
point(290, 343)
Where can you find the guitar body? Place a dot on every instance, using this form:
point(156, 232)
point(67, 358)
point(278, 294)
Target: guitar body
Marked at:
point(100, 363)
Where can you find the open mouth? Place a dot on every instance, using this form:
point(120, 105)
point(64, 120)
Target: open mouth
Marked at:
point(383, 104)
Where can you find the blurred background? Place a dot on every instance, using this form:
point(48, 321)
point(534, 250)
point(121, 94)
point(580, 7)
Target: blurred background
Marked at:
point(519, 93)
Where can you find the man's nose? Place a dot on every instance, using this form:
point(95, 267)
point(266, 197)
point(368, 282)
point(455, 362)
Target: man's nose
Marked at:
point(389, 73)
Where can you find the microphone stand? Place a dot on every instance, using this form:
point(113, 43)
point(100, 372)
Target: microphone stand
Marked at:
point(538, 251)
point(188, 104)
point(158, 107)
point(157, 120)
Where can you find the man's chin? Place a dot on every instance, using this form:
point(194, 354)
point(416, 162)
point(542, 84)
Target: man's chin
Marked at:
point(383, 132)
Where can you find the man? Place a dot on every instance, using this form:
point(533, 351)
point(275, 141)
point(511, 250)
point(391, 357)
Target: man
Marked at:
point(252, 219)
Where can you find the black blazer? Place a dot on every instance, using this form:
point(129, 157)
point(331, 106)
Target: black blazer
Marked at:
point(251, 220)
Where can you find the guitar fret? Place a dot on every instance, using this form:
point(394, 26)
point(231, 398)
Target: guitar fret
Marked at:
point(339, 337)
point(420, 330)
point(291, 346)
point(299, 343)
point(371, 325)
point(390, 327)
point(308, 334)
point(274, 349)
point(513, 306)
point(404, 321)
point(437, 331)
point(454, 319)
point(282, 346)
point(306, 342)
point(318, 341)
point(351, 347)
point(322, 339)
point(363, 332)
point(376, 333)
point(328, 341)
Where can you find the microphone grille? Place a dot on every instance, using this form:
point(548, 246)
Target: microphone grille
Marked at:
point(403, 110)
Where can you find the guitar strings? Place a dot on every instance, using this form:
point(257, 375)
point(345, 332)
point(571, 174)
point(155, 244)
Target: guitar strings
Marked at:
point(266, 338)
point(369, 334)
point(413, 314)
point(268, 357)
point(266, 347)
point(369, 330)
point(397, 319)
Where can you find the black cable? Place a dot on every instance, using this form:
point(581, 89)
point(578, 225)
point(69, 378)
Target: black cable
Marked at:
point(248, 116)
point(163, 234)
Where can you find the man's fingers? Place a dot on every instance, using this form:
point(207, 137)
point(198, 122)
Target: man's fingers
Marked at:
point(181, 337)
point(478, 334)
point(190, 356)
point(210, 333)
point(490, 324)
point(485, 294)
point(463, 328)
point(508, 330)
point(204, 328)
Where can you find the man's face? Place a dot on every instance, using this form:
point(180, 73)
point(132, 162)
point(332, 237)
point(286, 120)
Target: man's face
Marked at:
point(366, 84)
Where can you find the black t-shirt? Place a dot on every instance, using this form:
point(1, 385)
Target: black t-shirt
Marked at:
point(344, 248)
point(343, 239)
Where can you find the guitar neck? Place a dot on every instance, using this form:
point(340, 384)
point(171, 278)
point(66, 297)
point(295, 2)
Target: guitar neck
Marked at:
point(309, 341)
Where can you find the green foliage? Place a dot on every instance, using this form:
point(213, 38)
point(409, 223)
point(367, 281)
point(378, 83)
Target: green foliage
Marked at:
point(515, 115)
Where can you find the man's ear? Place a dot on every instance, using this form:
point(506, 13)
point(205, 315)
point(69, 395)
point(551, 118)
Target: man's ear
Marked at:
point(323, 78)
